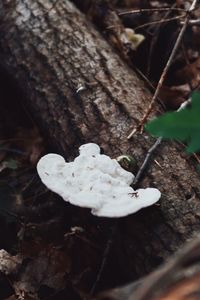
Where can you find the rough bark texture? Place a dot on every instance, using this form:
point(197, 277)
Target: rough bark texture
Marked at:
point(52, 52)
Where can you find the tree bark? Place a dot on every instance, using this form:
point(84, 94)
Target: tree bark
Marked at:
point(79, 90)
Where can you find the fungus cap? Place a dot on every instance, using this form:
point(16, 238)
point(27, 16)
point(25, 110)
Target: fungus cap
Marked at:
point(95, 181)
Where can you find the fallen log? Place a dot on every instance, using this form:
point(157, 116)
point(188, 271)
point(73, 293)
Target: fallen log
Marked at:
point(79, 90)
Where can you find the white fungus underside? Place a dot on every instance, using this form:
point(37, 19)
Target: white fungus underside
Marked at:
point(95, 181)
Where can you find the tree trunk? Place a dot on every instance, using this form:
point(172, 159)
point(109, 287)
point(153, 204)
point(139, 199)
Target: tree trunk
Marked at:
point(79, 91)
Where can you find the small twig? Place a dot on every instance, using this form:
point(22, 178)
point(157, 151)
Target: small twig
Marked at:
point(16, 151)
point(143, 10)
point(193, 22)
point(193, 5)
point(40, 194)
point(163, 75)
point(14, 140)
point(28, 184)
point(10, 213)
point(182, 262)
point(155, 38)
point(146, 161)
point(153, 148)
point(196, 157)
point(159, 22)
point(106, 252)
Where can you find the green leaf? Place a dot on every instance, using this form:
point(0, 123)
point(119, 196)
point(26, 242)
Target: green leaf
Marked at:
point(182, 125)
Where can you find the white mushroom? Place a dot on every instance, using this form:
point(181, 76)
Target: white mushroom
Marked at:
point(95, 181)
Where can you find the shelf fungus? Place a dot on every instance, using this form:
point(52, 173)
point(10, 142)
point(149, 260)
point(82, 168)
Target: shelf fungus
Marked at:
point(95, 181)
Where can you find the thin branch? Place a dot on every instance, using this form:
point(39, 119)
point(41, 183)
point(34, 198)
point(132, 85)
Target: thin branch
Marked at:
point(155, 34)
point(163, 75)
point(187, 257)
point(106, 253)
point(153, 148)
point(193, 22)
point(193, 6)
point(146, 161)
point(16, 151)
point(159, 22)
point(144, 10)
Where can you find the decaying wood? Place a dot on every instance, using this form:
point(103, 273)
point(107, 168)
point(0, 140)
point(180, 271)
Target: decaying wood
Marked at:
point(177, 279)
point(80, 91)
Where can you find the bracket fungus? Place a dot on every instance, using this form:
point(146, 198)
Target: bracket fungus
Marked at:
point(95, 181)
